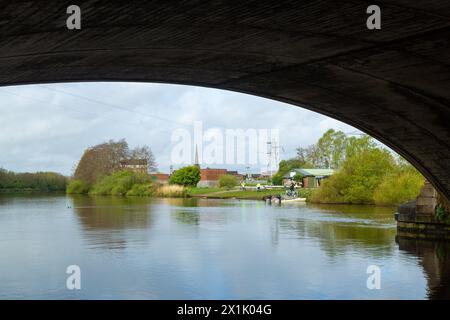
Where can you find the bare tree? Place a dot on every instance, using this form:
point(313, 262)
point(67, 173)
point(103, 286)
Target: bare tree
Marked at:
point(144, 153)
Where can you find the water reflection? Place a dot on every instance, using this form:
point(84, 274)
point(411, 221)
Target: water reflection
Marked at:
point(211, 248)
point(434, 257)
point(104, 220)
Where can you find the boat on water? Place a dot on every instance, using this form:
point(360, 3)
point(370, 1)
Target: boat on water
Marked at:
point(279, 200)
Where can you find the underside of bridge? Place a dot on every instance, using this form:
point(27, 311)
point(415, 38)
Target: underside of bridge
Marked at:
point(393, 83)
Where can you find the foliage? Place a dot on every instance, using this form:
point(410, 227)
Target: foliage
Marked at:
point(358, 178)
point(77, 187)
point(298, 177)
point(118, 183)
point(172, 191)
point(305, 193)
point(141, 190)
point(441, 214)
point(284, 167)
point(332, 149)
point(399, 187)
point(371, 176)
point(39, 181)
point(105, 158)
point(188, 176)
point(227, 181)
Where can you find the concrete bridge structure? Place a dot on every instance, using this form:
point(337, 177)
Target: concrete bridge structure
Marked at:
point(392, 83)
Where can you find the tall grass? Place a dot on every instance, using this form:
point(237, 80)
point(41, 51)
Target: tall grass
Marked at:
point(171, 191)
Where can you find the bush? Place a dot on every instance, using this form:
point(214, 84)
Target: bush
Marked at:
point(118, 184)
point(277, 179)
point(77, 187)
point(141, 190)
point(358, 178)
point(227, 181)
point(399, 188)
point(172, 191)
point(187, 176)
point(371, 177)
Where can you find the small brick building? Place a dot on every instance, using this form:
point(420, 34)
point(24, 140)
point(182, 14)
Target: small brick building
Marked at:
point(210, 177)
point(135, 165)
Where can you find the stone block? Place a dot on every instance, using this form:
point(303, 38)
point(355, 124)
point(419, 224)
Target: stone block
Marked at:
point(426, 201)
point(425, 209)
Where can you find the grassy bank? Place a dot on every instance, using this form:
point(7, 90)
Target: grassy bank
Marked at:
point(221, 193)
point(126, 183)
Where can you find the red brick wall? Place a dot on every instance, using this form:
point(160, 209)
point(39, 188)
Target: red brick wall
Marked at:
point(211, 174)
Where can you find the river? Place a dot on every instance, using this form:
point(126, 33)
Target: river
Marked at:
point(135, 248)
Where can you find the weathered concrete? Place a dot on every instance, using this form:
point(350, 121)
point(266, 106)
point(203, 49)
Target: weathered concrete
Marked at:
point(417, 219)
point(392, 83)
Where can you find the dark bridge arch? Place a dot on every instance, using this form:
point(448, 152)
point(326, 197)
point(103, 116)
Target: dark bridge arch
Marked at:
point(392, 83)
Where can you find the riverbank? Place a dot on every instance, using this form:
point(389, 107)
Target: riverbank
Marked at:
point(221, 193)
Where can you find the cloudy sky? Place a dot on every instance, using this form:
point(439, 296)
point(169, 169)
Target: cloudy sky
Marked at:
point(47, 127)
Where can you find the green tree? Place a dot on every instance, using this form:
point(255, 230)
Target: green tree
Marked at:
point(357, 179)
point(188, 176)
point(331, 149)
point(228, 181)
point(105, 158)
point(399, 187)
point(285, 166)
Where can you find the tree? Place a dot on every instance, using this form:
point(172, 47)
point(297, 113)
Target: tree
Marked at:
point(228, 181)
point(187, 176)
point(105, 158)
point(331, 149)
point(285, 166)
point(144, 153)
point(101, 160)
point(359, 178)
point(298, 177)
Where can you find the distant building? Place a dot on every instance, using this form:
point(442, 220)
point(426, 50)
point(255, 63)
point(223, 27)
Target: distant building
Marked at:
point(135, 165)
point(238, 176)
point(312, 178)
point(159, 177)
point(210, 177)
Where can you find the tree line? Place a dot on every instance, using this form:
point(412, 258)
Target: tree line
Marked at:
point(39, 181)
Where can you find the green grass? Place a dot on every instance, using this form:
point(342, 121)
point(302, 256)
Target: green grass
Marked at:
point(239, 194)
point(201, 191)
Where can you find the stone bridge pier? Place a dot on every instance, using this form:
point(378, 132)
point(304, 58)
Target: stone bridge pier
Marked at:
point(419, 219)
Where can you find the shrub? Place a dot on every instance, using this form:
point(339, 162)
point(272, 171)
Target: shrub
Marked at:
point(172, 191)
point(228, 181)
point(358, 178)
point(187, 176)
point(141, 190)
point(399, 188)
point(118, 184)
point(77, 187)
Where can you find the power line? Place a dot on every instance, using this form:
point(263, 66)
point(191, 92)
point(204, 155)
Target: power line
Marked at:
point(115, 106)
point(74, 109)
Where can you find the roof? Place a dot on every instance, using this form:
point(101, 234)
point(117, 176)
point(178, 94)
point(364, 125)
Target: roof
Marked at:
point(312, 172)
point(133, 162)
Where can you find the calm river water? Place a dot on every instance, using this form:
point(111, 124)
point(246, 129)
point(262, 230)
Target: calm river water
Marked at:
point(209, 249)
